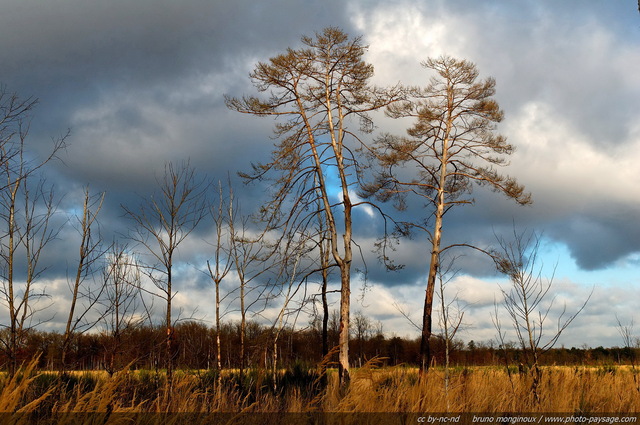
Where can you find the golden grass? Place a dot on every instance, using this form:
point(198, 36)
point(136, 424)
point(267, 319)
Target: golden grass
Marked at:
point(481, 389)
point(15, 390)
point(568, 389)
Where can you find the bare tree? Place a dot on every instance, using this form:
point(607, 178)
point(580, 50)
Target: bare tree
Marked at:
point(250, 253)
point(631, 344)
point(289, 291)
point(528, 301)
point(82, 290)
point(14, 125)
point(122, 281)
point(451, 316)
point(162, 223)
point(321, 254)
point(451, 146)
point(26, 210)
point(324, 251)
point(362, 328)
point(222, 265)
point(319, 91)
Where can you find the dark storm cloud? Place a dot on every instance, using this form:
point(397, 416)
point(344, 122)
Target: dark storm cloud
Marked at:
point(147, 40)
point(141, 83)
point(144, 79)
point(599, 239)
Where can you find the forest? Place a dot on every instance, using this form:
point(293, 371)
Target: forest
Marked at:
point(277, 268)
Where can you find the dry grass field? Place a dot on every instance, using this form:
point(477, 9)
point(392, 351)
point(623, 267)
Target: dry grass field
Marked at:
point(580, 390)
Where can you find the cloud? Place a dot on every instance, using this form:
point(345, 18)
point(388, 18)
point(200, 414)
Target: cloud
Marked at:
point(593, 326)
point(558, 69)
point(143, 83)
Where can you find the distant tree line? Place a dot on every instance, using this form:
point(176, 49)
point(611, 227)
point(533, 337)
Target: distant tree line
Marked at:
point(194, 348)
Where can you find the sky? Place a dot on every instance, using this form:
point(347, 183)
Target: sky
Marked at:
point(142, 83)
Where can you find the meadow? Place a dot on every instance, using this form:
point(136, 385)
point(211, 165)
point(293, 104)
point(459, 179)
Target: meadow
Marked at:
point(490, 389)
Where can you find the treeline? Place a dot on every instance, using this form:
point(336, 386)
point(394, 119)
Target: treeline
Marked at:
point(194, 348)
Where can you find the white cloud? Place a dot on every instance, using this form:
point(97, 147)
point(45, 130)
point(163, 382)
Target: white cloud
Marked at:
point(402, 34)
point(564, 168)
